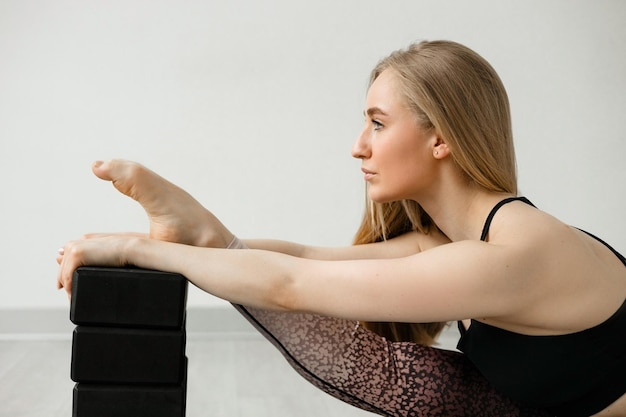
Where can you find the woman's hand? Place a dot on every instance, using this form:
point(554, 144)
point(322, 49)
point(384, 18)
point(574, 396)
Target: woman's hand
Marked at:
point(100, 251)
point(174, 215)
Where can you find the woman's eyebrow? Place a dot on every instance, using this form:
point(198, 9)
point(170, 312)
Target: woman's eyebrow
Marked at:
point(373, 111)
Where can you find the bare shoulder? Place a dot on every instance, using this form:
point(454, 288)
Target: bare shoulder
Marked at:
point(540, 236)
point(565, 269)
point(521, 224)
point(535, 237)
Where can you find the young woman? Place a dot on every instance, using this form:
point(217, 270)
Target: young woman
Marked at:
point(540, 304)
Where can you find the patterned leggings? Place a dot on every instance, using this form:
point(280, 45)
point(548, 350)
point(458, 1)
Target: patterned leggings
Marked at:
point(387, 378)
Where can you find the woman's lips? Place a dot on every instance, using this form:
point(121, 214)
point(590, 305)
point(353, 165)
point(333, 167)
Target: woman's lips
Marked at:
point(368, 175)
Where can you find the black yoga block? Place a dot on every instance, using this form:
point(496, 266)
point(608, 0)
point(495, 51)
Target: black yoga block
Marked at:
point(129, 297)
point(128, 356)
point(128, 401)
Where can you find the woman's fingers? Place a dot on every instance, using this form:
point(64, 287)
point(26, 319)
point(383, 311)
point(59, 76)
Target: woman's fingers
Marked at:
point(100, 251)
point(59, 260)
point(65, 259)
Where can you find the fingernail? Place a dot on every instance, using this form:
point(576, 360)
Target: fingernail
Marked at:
point(97, 164)
point(61, 251)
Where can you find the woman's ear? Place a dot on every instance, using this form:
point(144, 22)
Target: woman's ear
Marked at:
point(441, 149)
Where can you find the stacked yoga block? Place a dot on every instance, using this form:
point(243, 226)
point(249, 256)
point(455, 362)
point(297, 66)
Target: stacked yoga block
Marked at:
point(128, 347)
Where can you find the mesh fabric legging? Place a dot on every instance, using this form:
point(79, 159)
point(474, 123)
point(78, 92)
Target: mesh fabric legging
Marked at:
point(390, 379)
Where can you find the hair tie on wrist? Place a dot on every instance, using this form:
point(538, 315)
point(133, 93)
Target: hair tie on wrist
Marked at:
point(236, 244)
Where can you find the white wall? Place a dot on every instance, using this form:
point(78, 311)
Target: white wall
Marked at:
point(252, 106)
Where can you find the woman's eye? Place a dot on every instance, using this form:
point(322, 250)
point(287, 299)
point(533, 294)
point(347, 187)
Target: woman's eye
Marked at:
point(377, 125)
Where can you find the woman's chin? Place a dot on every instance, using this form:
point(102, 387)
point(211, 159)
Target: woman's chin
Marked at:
point(381, 199)
point(380, 195)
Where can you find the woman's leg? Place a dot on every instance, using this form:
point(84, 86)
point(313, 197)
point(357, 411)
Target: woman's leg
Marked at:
point(391, 379)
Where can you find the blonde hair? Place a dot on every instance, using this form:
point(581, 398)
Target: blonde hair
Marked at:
point(455, 91)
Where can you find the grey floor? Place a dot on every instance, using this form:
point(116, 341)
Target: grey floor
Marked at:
point(234, 376)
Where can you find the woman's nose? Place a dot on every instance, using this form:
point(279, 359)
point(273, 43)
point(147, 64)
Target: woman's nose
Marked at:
point(360, 148)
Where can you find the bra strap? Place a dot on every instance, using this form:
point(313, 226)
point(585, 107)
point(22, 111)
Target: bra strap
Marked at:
point(493, 211)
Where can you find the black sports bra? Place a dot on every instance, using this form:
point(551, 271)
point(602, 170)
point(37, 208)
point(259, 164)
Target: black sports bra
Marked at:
point(573, 375)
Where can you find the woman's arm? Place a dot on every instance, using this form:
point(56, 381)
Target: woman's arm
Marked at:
point(453, 281)
point(401, 246)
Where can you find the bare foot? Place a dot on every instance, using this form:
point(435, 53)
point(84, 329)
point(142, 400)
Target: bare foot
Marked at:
point(175, 216)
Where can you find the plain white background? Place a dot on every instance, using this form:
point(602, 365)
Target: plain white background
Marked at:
point(253, 106)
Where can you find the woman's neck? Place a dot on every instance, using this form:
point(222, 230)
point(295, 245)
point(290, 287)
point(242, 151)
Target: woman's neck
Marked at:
point(460, 212)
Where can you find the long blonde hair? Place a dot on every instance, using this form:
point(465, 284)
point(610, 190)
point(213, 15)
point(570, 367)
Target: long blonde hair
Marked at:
point(455, 91)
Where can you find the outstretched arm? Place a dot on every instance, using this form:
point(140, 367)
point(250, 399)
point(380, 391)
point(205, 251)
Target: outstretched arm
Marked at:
point(449, 282)
point(398, 247)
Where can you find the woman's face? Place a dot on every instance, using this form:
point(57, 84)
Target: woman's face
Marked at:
point(397, 154)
